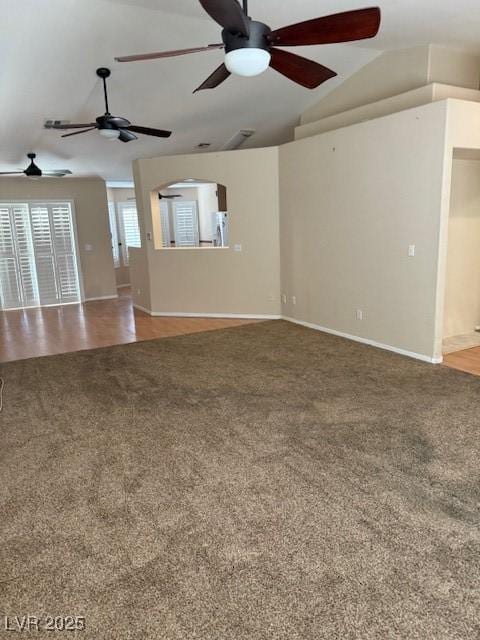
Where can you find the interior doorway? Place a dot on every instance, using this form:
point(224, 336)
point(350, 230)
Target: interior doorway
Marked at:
point(461, 332)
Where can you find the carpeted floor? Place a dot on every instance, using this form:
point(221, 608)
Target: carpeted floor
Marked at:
point(265, 483)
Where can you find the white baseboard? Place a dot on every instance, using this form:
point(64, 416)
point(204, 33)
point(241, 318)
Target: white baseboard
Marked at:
point(233, 316)
point(114, 297)
point(123, 286)
point(371, 343)
point(309, 325)
point(137, 306)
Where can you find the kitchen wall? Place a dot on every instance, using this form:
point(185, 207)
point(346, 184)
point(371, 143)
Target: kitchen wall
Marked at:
point(242, 279)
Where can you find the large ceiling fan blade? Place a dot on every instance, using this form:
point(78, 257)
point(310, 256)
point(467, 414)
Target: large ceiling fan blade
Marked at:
point(168, 54)
point(126, 135)
point(308, 73)
point(217, 77)
point(162, 197)
point(11, 173)
point(229, 14)
point(57, 173)
point(339, 27)
point(77, 133)
point(148, 131)
point(62, 127)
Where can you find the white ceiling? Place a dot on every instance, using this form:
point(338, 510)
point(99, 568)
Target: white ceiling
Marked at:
point(49, 51)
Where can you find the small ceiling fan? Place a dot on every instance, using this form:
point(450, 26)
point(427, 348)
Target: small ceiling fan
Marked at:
point(251, 46)
point(32, 171)
point(108, 126)
point(176, 195)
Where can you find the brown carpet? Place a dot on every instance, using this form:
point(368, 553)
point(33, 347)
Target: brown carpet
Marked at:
point(264, 482)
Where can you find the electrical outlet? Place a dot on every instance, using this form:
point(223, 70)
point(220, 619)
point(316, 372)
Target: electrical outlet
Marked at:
point(139, 292)
point(284, 298)
point(359, 314)
point(411, 250)
point(294, 299)
point(238, 248)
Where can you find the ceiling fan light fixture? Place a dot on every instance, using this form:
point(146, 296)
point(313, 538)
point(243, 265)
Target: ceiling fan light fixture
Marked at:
point(247, 62)
point(109, 134)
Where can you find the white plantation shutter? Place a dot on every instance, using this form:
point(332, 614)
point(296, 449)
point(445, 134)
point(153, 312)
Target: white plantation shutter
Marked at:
point(131, 231)
point(64, 249)
point(44, 255)
point(165, 222)
point(186, 224)
point(18, 283)
point(37, 255)
point(112, 217)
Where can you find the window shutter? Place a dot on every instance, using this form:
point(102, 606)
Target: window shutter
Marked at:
point(131, 230)
point(165, 222)
point(38, 264)
point(114, 234)
point(64, 250)
point(186, 224)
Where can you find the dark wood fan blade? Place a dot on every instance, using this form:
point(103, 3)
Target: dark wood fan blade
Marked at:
point(229, 14)
point(308, 73)
point(217, 77)
point(168, 54)
point(11, 173)
point(62, 127)
point(339, 27)
point(77, 133)
point(126, 136)
point(148, 131)
point(57, 173)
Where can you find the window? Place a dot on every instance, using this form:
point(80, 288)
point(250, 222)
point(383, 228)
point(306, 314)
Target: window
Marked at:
point(112, 217)
point(129, 226)
point(186, 224)
point(38, 262)
point(191, 213)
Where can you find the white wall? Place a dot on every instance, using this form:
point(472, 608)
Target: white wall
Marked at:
point(462, 293)
point(122, 273)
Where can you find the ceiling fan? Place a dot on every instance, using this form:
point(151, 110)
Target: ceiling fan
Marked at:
point(32, 171)
point(176, 195)
point(251, 46)
point(108, 126)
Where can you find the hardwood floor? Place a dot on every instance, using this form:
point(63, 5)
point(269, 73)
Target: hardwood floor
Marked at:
point(467, 360)
point(35, 332)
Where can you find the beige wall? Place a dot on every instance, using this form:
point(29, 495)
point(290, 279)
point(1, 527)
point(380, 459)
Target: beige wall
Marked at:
point(351, 202)
point(462, 293)
point(396, 80)
point(91, 213)
point(215, 281)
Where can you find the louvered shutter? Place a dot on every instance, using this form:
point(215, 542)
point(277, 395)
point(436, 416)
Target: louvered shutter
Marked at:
point(130, 228)
point(112, 218)
point(165, 222)
point(64, 250)
point(186, 224)
point(44, 255)
point(18, 284)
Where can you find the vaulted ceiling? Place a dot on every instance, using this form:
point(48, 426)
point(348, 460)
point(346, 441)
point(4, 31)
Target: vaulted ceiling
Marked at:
point(49, 51)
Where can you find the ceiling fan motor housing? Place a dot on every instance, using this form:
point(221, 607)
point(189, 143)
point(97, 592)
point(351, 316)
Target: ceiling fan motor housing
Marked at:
point(258, 38)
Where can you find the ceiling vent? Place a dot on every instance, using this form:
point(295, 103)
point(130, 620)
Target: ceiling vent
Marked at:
point(238, 139)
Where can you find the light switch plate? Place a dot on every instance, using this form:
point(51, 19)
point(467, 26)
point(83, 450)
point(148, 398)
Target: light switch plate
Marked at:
point(238, 248)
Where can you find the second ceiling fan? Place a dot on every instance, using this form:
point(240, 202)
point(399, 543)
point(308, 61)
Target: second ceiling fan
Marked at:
point(251, 46)
point(111, 127)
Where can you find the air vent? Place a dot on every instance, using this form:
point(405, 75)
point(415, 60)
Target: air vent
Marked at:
point(49, 124)
point(238, 139)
